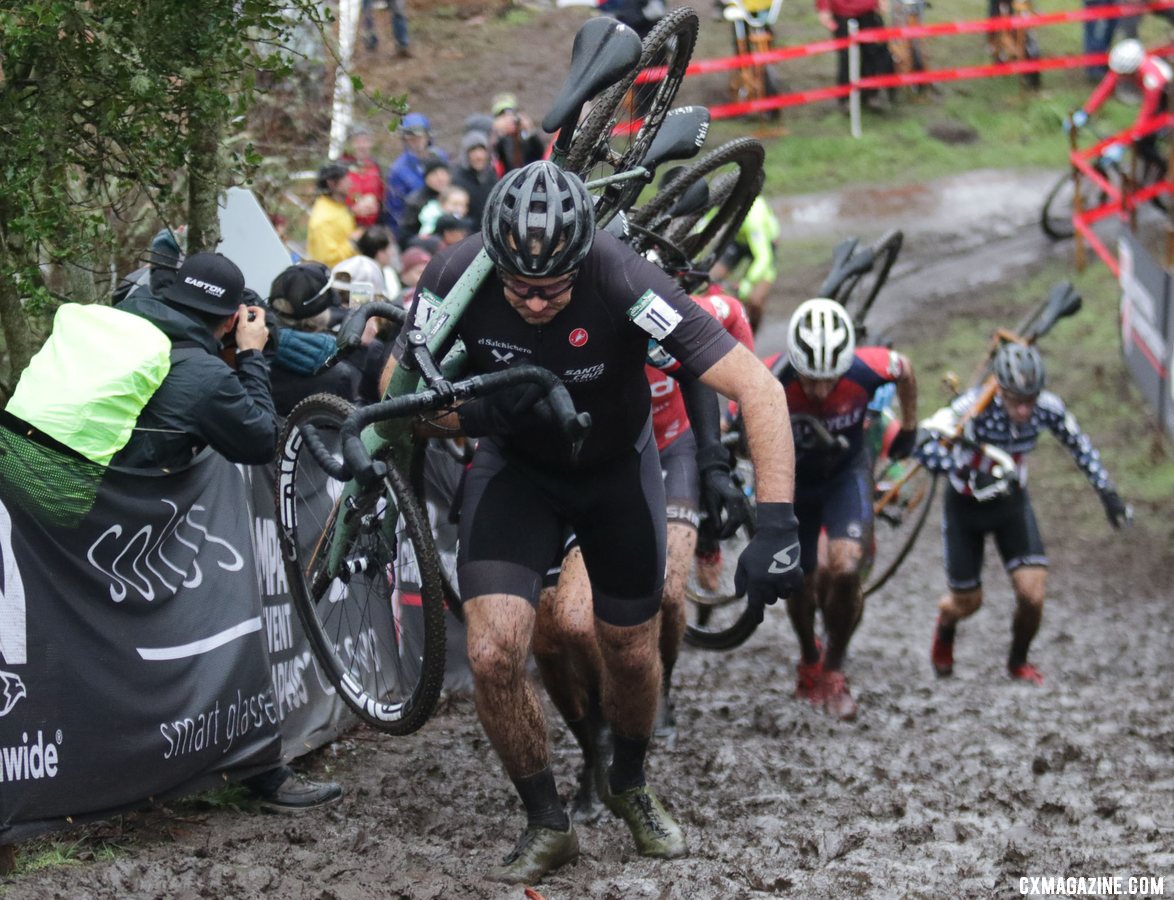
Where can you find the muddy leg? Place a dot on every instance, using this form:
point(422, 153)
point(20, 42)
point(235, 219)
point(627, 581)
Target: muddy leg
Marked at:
point(631, 684)
point(1030, 583)
point(499, 630)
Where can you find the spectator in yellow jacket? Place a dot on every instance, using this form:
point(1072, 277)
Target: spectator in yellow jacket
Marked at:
point(328, 235)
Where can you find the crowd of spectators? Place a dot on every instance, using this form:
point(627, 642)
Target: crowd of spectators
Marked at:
point(400, 213)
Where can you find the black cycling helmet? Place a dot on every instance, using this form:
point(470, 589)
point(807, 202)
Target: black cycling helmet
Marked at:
point(539, 221)
point(1019, 369)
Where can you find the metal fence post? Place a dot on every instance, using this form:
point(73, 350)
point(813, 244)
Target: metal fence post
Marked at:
point(854, 78)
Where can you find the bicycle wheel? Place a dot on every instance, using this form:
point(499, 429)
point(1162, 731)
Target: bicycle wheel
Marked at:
point(899, 524)
point(376, 625)
point(859, 293)
point(618, 131)
point(436, 472)
point(714, 618)
point(1056, 218)
point(734, 174)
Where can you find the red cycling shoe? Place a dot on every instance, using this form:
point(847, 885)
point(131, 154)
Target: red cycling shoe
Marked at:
point(1027, 672)
point(832, 692)
point(808, 679)
point(942, 653)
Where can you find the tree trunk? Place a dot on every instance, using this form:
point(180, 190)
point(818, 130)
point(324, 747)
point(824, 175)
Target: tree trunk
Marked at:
point(18, 337)
point(204, 173)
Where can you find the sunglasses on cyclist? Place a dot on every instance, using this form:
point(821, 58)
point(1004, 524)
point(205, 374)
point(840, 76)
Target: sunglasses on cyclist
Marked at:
point(523, 290)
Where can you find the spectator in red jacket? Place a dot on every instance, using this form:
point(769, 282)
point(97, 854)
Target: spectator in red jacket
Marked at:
point(365, 179)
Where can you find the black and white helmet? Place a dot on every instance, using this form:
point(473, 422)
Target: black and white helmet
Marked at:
point(821, 340)
point(1019, 368)
point(539, 221)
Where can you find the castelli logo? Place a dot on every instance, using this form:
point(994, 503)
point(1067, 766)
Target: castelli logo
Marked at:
point(578, 337)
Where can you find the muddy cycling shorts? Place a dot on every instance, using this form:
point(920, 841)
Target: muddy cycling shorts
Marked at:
point(682, 482)
point(841, 506)
point(515, 518)
point(965, 524)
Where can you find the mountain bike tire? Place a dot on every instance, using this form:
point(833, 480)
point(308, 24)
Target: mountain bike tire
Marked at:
point(377, 635)
point(885, 251)
point(436, 507)
point(735, 176)
point(1056, 216)
point(717, 619)
point(619, 129)
point(895, 535)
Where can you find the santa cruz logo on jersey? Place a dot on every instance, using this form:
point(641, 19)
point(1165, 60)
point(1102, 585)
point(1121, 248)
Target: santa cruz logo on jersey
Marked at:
point(654, 315)
point(578, 337)
point(583, 374)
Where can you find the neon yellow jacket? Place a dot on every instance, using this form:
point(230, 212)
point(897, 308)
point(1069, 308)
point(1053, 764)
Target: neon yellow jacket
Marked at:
point(758, 234)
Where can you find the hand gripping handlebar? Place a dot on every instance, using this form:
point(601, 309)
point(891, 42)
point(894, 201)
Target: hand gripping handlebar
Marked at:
point(357, 462)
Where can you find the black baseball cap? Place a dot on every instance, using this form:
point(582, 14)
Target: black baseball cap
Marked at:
point(302, 291)
point(209, 282)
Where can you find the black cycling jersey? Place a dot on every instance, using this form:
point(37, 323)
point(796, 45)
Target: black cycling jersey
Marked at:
point(597, 345)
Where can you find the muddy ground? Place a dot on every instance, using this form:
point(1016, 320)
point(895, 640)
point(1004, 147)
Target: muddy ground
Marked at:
point(954, 788)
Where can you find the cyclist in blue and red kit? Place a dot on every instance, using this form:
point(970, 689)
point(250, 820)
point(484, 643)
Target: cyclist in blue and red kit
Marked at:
point(829, 379)
point(980, 502)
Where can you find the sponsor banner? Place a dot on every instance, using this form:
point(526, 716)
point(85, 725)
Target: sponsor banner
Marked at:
point(133, 659)
point(1146, 324)
point(149, 643)
point(310, 712)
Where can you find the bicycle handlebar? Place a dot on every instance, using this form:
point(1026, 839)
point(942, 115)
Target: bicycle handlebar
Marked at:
point(824, 439)
point(356, 460)
point(350, 335)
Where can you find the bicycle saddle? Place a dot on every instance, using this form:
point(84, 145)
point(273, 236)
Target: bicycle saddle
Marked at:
point(680, 136)
point(846, 262)
point(694, 200)
point(604, 51)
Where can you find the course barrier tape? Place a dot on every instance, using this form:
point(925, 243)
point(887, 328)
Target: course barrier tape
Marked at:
point(911, 32)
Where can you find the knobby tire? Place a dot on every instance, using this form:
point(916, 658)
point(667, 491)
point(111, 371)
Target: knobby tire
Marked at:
point(359, 626)
point(596, 150)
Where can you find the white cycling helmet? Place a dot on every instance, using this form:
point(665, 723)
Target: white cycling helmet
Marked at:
point(1126, 57)
point(821, 340)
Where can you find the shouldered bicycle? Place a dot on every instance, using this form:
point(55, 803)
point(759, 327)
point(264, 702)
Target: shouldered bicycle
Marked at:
point(358, 552)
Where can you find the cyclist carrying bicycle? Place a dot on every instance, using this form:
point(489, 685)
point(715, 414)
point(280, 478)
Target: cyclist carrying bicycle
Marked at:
point(828, 378)
point(583, 305)
point(686, 423)
point(983, 500)
point(757, 240)
point(1129, 63)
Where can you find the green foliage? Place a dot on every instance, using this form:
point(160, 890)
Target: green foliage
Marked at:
point(103, 105)
point(46, 853)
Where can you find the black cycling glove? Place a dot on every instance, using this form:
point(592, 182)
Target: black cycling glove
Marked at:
point(516, 408)
point(1117, 510)
point(903, 443)
point(720, 494)
point(769, 566)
